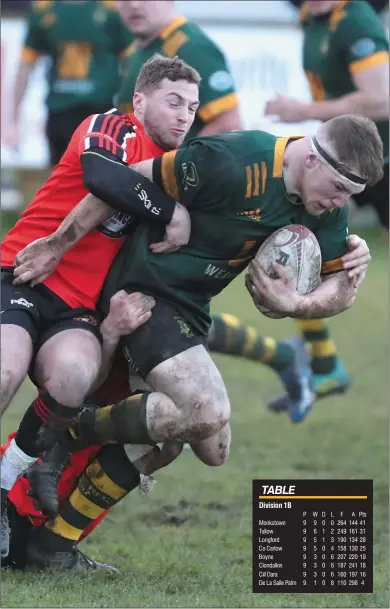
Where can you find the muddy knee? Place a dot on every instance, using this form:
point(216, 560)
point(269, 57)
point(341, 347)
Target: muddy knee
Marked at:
point(209, 415)
point(70, 382)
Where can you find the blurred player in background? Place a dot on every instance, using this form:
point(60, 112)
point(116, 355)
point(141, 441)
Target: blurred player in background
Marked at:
point(158, 28)
point(346, 61)
point(85, 39)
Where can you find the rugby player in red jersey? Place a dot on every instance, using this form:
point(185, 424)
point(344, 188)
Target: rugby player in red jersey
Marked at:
point(52, 330)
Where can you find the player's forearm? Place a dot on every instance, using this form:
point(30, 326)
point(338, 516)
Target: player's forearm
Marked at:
point(109, 345)
point(87, 214)
point(333, 296)
point(124, 189)
point(374, 106)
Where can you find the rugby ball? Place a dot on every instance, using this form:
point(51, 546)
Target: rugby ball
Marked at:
point(297, 249)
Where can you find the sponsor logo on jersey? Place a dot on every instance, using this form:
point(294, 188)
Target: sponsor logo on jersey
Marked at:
point(87, 318)
point(190, 175)
point(116, 225)
point(23, 302)
point(253, 214)
point(221, 81)
point(363, 47)
point(184, 327)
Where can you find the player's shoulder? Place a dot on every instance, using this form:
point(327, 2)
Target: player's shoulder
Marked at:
point(236, 149)
point(351, 15)
point(113, 124)
point(191, 39)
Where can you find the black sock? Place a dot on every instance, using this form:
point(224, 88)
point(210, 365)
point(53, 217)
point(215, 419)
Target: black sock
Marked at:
point(44, 410)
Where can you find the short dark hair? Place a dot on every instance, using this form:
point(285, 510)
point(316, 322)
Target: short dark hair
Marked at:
point(159, 67)
point(358, 145)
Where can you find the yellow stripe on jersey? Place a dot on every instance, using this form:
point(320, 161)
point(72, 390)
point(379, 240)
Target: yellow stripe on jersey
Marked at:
point(280, 147)
point(337, 15)
point(173, 44)
point(332, 266)
point(263, 176)
point(248, 193)
point(376, 59)
point(130, 50)
point(171, 27)
point(29, 55)
point(168, 174)
point(209, 111)
point(257, 180)
point(304, 12)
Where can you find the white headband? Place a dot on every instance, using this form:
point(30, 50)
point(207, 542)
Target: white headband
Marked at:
point(347, 176)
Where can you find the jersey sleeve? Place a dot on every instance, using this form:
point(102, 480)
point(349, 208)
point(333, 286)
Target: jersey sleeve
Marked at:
point(363, 38)
point(217, 92)
point(332, 237)
point(106, 132)
point(35, 43)
point(199, 174)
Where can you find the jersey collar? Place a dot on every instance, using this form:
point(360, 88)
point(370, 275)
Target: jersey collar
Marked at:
point(280, 147)
point(171, 27)
point(277, 171)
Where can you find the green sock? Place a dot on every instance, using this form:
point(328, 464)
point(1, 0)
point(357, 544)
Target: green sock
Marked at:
point(228, 335)
point(323, 350)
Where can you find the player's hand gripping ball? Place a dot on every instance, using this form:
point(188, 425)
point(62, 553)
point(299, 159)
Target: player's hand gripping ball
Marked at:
point(296, 248)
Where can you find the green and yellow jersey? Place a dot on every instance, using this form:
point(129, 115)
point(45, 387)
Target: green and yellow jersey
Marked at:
point(190, 43)
point(85, 42)
point(233, 187)
point(339, 45)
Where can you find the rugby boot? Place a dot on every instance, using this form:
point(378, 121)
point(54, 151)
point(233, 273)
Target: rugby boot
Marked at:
point(46, 550)
point(298, 381)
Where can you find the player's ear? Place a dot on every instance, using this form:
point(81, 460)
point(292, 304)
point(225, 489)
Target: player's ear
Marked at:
point(310, 160)
point(139, 103)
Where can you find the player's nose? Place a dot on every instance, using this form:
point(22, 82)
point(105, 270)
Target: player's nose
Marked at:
point(340, 200)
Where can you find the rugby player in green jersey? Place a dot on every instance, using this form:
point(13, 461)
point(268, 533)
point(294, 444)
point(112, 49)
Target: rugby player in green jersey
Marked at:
point(346, 60)
point(239, 188)
point(158, 28)
point(245, 185)
point(85, 40)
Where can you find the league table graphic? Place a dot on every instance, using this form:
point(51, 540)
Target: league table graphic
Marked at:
point(312, 536)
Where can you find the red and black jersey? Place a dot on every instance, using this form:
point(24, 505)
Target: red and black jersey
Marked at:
point(79, 277)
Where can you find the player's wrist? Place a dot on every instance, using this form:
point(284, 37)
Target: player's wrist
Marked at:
point(298, 305)
point(109, 331)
